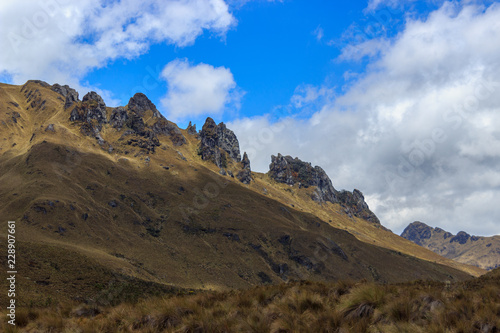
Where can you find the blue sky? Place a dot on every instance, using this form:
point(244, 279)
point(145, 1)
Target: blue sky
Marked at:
point(400, 99)
point(271, 50)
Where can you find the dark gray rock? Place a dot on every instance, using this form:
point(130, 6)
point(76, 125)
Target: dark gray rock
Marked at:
point(228, 142)
point(91, 108)
point(136, 123)
point(50, 128)
point(70, 94)
point(140, 104)
point(291, 171)
point(91, 112)
point(164, 127)
point(461, 238)
point(118, 118)
point(355, 201)
point(417, 232)
point(245, 175)
point(217, 142)
point(191, 129)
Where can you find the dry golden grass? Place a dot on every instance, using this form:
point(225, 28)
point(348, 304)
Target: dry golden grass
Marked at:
point(344, 306)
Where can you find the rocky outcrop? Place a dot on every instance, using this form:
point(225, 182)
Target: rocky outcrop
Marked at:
point(165, 127)
point(92, 108)
point(70, 94)
point(355, 203)
point(119, 117)
point(417, 232)
point(140, 104)
point(217, 143)
point(191, 129)
point(461, 238)
point(245, 175)
point(134, 118)
point(291, 171)
point(483, 252)
point(92, 113)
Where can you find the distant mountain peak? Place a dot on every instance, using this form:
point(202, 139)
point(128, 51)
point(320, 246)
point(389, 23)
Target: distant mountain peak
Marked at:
point(462, 247)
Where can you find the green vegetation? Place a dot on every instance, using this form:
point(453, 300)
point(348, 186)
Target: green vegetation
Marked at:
point(344, 306)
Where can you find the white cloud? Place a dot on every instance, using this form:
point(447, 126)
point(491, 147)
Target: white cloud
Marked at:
point(307, 94)
point(319, 33)
point(61, 40)
point(197, 89)
point(418, 133)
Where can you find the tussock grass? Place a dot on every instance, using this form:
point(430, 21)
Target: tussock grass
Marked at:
point(299, 306)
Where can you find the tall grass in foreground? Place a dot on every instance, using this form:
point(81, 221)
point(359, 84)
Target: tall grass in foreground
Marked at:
point(293, 307)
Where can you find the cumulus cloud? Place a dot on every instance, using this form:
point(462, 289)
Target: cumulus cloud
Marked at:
point(62, 40)
point(418, 133)
point(197, 89)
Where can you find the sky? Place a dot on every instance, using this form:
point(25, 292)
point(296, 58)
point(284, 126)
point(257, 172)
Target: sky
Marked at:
point(399, 99)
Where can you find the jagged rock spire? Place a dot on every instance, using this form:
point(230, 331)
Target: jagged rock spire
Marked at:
point(245, 175)
point(140, 104)
point(213, 139)
point(191, 129)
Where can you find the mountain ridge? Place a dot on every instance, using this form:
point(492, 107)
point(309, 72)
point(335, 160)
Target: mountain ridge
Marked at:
point(483, 252)
point(136, 192)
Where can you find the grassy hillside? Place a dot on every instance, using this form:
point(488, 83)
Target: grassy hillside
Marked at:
point(166, 218)
point(342, 306)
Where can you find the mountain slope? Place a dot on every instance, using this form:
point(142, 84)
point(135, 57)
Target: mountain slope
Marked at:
point(483, 252)
point(132, 193)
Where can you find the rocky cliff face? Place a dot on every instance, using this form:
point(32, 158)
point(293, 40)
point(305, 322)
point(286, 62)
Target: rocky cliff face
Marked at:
point(91, 112)
point(483, 252)
point(70, 95)
point(217, 143)
point(418, 233)
point(140, 104)
point(292, 171)
point(245, 175)
point(355, 204)
point(191, 129)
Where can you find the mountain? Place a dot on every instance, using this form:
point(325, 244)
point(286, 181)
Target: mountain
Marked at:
point(108, 200)
point(483, 252)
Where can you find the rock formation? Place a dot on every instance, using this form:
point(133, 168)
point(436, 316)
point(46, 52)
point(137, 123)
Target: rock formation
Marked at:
point(70, 94)
point(291, 171)
point(92, 113)
point(245, 175)
point(217, 143)
point(165, 127)
point(140, 104)
point(119, 118)
point(191, 129)
point(355, 203)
